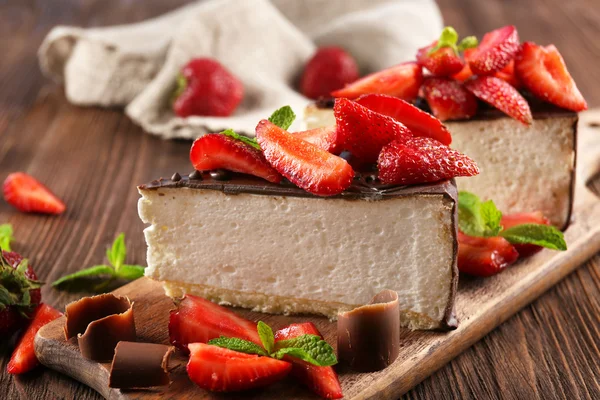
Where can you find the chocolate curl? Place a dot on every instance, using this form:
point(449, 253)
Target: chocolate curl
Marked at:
point(140, 365)
point(100, 322)
point(369, 336)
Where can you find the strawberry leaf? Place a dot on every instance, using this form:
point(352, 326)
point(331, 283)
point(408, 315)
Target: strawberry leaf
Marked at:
point(235, 344)
point(541, 235)
point(283, 117)
point(267, 337)
point(6, 236)
point(469, 42)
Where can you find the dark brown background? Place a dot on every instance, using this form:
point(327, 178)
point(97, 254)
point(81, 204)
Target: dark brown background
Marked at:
point(94, 158)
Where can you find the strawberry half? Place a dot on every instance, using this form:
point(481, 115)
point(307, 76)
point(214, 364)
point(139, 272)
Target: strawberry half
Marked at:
point(216, 150)
point(481, 256)
point(448, 99)
point(23, 358)
point(223, 370)
point(418, 121)
point(544, 73)
point(28, 195)
point(495, 51)
point(422, 160)
point(199, 320)
point(442, 62)
point(321, 380)
point(364, 132)
point(501, 95)
point(304, 164)
point(508, 74)
point(324, 138)
point(510, 220)
point(401, 81)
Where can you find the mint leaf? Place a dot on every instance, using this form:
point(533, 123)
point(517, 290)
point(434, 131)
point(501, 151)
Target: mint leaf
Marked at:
point(538, 234)
point(318, 351)
point(6, 236)
point(235, 344)
point(245, 139)
point(266, 336)
point(117, 253)
point(468, 43)
point(476, 218)
point(97, 270)
point(130, 272)
point(283, 117)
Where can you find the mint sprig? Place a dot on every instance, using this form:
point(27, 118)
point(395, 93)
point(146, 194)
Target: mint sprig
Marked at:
point(116, 269)
point(477, 218)
point(283, 117)
point(6, 236)
point(309, 348)
point(245, 139)
point(449, 38)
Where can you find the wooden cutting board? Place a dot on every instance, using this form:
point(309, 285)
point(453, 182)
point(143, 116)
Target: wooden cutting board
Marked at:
point(482, 304)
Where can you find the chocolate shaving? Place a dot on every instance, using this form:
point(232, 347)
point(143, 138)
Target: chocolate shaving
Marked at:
point(140, 365)
point(100, 322)
point(369, 336)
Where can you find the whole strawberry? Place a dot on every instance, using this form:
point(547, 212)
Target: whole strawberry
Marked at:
point(206, 88)
point(20, 292)
point(331, 68)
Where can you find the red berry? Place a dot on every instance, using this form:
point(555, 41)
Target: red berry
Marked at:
point(480, 256)
point(508, 74)
point(321, 380)
point(23, 358)
point(510, 220)
point(208, 89)
point(199, 320)
point(364, 132)
point(422, 160)
point(401, 81)
point(331, 68)
point(442, 62)
point(324, 138)
point(465, 73)
point(304, 164)
point(495, 51)
point(223, 370)
point(448, 99)
point(501, 95)
point(214, 151)
point(418, 121)
point(28, 195)
point(544, 73)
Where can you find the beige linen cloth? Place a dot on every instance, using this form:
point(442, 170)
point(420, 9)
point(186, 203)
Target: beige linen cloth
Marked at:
point(264, 43)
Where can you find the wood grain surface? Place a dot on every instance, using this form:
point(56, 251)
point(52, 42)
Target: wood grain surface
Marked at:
point(93, 158)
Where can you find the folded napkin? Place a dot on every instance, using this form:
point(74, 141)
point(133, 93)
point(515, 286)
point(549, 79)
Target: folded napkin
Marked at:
point(264, 43)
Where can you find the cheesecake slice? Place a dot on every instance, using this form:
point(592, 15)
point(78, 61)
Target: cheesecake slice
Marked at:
point(276, 248)
point(522, 168)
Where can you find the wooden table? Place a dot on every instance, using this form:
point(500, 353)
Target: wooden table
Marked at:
point(93, 158)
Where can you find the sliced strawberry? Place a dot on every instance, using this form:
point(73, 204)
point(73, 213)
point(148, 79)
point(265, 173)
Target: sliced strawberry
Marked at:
point(508, 74)
point(422, 160)
point(448, 99)
point(23, 358)
point(544, 73)
point(496, 50)
point(401, 81)
point(321, 380)
point(199, 320)
point(223, 370)
point(304, 164)
point(364, 132)
point(216, 151)
point(28, 195)
point(510, 220)
point(442, 62)
point(466, 72)
point(324, 138)
point(418, 121)
point(480, 256)
point(501, 95)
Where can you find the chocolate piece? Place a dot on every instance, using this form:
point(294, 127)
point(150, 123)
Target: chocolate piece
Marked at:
point(369, 336)
point(100, 322)
point(140, 365)
point(220, 175)
point(196, 175)
point(176, 177)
